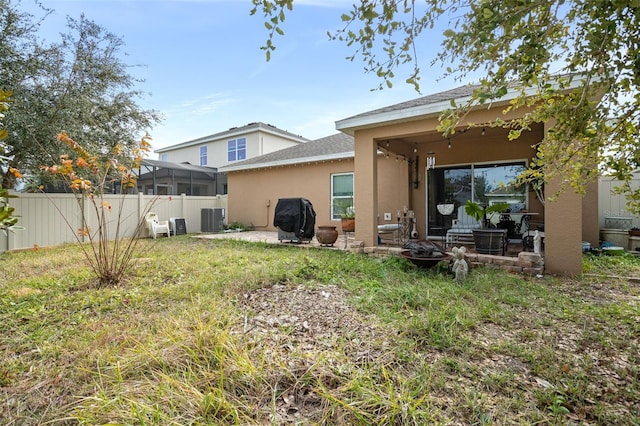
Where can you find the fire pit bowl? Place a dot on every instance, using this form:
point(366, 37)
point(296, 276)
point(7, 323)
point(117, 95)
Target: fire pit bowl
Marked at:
point(424, 262)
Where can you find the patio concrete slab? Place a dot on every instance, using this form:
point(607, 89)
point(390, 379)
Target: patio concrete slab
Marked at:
point(271, 237)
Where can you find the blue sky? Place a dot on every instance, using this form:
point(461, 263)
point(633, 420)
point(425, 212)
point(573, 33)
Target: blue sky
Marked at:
point(204, 70)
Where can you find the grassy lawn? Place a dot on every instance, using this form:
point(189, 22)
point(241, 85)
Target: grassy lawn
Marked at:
point(224, 332)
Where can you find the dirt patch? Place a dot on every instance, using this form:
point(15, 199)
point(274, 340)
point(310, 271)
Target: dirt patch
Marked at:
point(309, 331)
point(24, 291)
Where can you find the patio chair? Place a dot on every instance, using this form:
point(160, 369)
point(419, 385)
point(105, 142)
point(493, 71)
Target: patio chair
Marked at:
point(461, 230)
point(156, 227)
point(523, 226)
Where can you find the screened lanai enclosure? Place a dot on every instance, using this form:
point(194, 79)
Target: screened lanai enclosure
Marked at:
point(165, 178)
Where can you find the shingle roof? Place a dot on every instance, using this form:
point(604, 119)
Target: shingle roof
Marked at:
point(335, 146)
point(433, 105)
point(257, 126)
point(446, 96)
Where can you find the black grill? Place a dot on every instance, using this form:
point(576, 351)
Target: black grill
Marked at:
point(295, 219)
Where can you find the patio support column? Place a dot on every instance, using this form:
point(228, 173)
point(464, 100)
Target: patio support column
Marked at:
point(563, 229)
point(366, 189)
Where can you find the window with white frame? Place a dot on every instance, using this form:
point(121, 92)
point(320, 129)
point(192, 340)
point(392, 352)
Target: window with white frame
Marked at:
point(341, 193)
point(237, 149)
point(164, 157)
point(483, 183)
point(203, 155)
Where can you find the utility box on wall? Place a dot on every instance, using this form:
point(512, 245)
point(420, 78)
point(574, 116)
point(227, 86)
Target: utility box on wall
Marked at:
point(212, 220)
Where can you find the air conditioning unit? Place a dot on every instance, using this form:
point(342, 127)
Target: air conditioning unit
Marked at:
point(212, 220)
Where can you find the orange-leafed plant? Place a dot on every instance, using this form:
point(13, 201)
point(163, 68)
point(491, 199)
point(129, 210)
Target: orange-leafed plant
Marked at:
point(89, 176)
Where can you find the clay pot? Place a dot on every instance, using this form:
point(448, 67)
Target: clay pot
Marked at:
point(326, 235)
point(348, 224)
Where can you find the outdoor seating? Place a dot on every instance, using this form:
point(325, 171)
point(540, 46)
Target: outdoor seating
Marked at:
point(390, 228)
point(156, 227)
point(523, 226)
point(461, 231)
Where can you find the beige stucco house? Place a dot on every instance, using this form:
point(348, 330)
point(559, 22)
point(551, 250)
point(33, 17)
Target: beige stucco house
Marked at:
point(230, 146)
point(397, 158)
point(321, 171)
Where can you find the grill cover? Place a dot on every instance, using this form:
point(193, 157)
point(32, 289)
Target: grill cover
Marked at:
point(295, 215)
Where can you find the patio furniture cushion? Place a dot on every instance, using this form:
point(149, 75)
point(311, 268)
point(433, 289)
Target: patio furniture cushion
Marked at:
point(464, 221)
point(461, 231)
point(389, 227)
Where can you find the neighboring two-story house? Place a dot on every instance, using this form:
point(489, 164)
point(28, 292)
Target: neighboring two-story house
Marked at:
point(192, 167)
point(233, 145)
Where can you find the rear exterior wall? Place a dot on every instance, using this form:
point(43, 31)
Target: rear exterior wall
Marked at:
point(253, 194)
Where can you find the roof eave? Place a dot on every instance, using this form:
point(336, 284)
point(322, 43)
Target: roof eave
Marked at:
point(350, 125)
point(288, 162)
point(230, 133)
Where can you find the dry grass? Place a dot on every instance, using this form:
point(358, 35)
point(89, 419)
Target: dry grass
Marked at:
point(219, 332)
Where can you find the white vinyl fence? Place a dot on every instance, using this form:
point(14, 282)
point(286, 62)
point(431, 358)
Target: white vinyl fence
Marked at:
point(53, 219)
point(612, 208)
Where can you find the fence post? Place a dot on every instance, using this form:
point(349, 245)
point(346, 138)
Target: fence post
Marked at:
point(140, 205)
point(5, 242)
point(83, 217)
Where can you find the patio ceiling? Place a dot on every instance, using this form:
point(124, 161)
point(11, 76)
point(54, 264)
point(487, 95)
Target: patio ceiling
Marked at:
point(405, 144)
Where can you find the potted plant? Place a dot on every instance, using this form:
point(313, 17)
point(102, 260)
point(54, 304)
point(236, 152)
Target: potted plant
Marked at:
point(487, 240)
point(347, 212)
point(634, 232)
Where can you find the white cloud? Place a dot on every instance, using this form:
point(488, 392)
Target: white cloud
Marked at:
point(200, 106)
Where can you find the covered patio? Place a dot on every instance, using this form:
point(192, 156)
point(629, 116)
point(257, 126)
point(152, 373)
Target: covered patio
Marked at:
point(478, 163)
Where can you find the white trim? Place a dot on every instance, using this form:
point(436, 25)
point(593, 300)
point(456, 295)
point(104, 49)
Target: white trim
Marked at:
point(204, 157)
point(349, 125)
point(472, 166)
point(288, 162)
point(331, 196)
point(237, 150)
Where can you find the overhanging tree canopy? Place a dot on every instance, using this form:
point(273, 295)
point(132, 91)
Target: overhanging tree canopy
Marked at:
point(574, 62)
point(79, 84)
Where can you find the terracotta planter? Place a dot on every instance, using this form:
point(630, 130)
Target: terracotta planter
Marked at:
point(327, 235)
point(634, 233)
point(348, 224)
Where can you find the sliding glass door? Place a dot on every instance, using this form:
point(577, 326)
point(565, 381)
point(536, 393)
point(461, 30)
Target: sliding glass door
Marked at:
point(483, 183)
